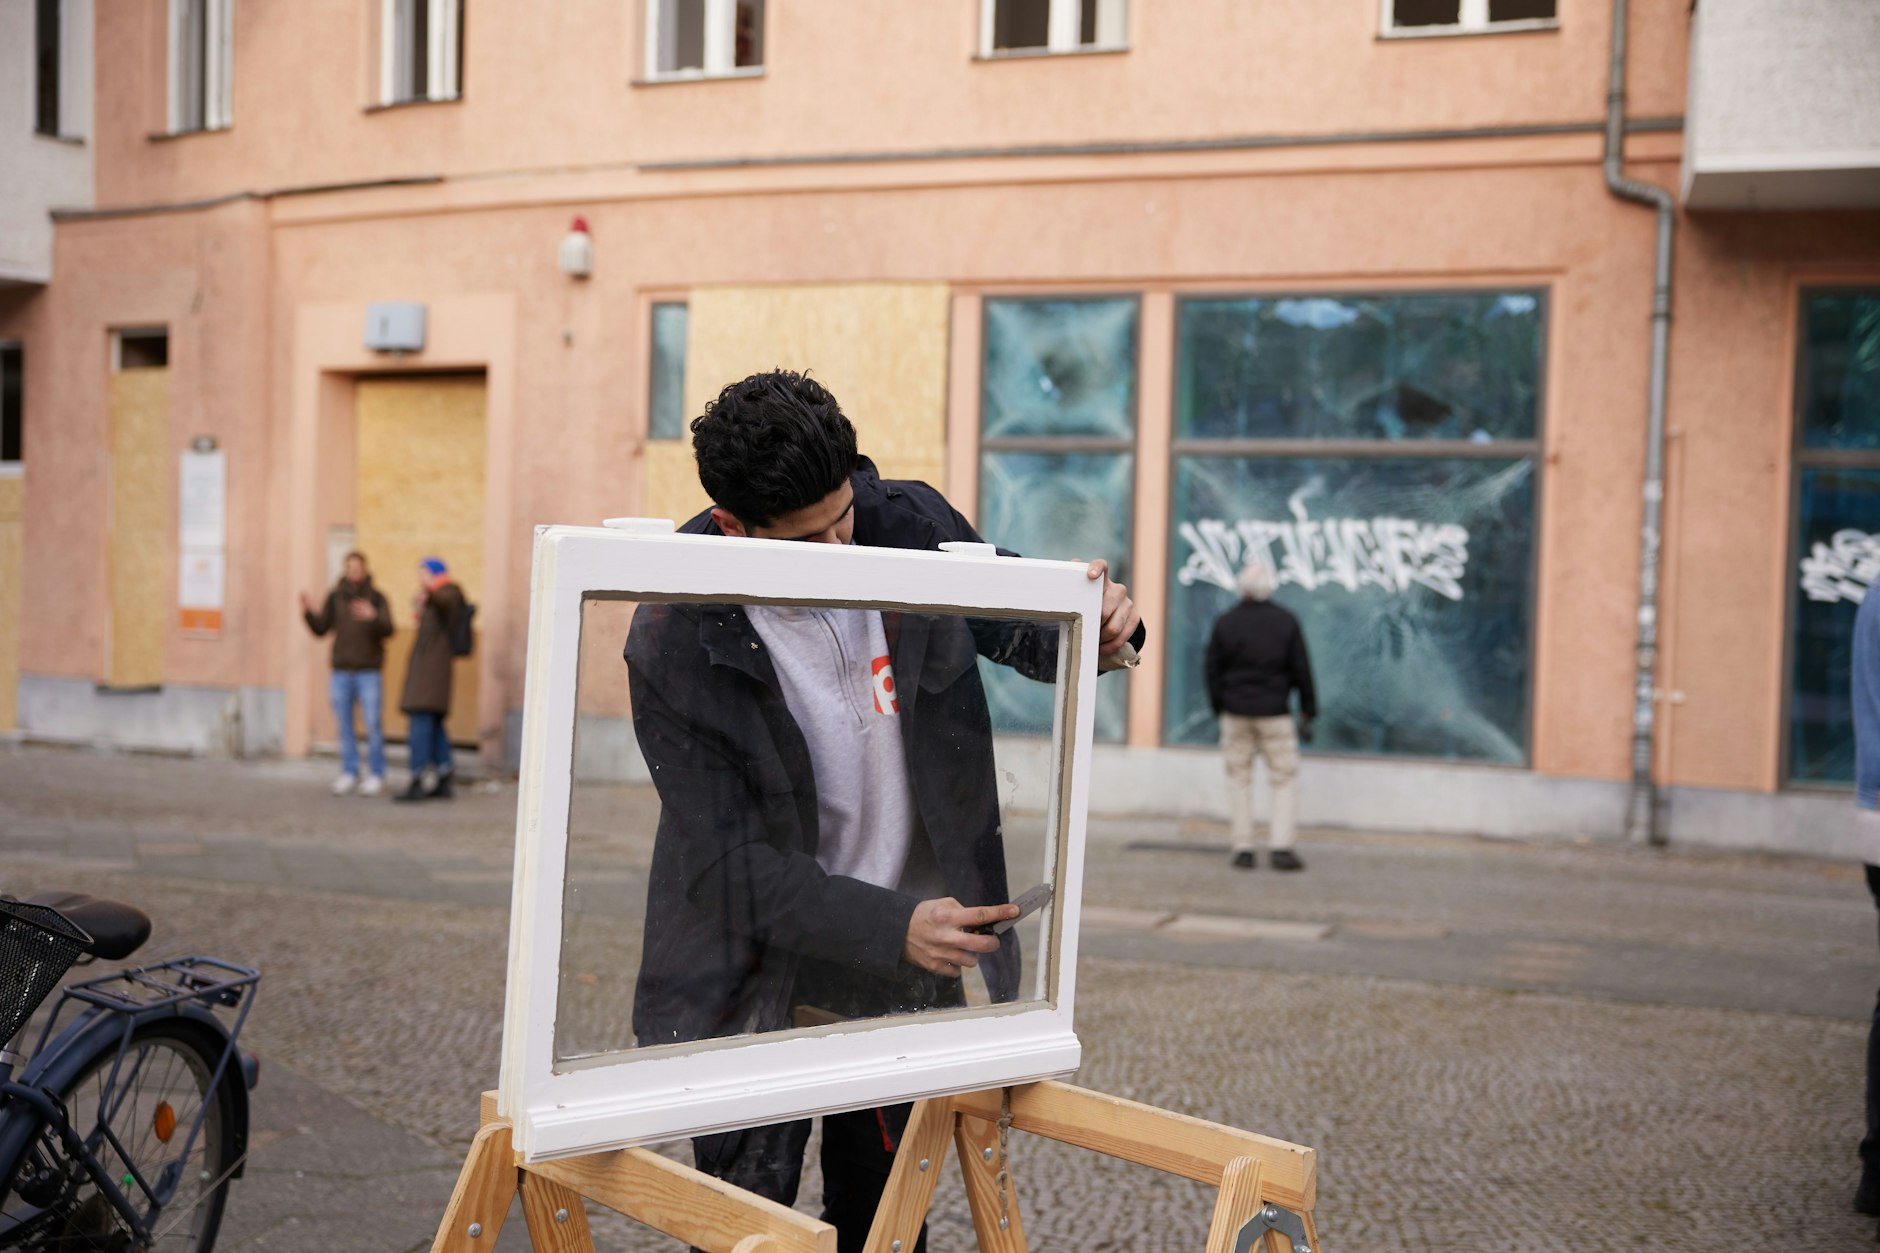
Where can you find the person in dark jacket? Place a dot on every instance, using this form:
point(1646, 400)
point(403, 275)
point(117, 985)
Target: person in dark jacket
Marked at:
point(357, 615)
point(426, 699)
point(758, 902)
point(1256, 659)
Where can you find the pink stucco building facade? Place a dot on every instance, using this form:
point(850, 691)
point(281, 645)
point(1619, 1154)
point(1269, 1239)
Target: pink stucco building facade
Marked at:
point(1238, 209)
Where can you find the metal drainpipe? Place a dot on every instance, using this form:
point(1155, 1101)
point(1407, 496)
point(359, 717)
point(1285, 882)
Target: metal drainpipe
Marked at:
point(1643, 818)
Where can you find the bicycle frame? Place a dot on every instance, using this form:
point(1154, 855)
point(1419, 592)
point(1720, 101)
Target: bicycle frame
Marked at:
point(114, 1006)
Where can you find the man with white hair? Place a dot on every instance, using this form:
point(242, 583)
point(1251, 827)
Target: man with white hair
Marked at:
point(1256, 657)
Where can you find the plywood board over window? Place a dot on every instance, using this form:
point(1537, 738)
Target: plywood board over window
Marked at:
point(420, 494)
point(880, 348)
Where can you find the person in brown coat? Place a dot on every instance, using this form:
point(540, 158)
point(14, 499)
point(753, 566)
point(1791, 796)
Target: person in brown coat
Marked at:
point(426, 699)
point(357, 615)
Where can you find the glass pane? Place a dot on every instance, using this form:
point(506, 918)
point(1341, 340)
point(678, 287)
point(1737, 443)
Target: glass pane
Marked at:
point(1410, 579)
point(1426, 12)
point(765, 794)
point(681, 33)
point(1063, 507)
point(666, 417)
point(1360, 367)
point(748, 38)
point(1841, 370)
point(1519, 10)
point(12, 401)
point(1838, 560)
point(1021, 23)
point(1060, 367)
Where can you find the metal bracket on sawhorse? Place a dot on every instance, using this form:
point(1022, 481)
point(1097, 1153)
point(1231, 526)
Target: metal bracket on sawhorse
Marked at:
point(1273, 1218)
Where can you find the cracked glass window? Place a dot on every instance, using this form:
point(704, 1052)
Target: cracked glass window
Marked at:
point(793, 817)
point(1412, 367)
point(1837, 519)
point(1057, 460)
point(1410, 578)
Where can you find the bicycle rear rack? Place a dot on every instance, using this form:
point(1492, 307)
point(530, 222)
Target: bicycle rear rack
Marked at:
point(145, 992)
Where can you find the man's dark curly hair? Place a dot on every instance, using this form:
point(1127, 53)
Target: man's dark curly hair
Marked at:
point(771, 444)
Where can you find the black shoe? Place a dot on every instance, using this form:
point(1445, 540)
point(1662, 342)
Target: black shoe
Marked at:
point(1867, 1196)
point(441, 790)
point(1284, 859)
point(1244, 859)
point(414, 791)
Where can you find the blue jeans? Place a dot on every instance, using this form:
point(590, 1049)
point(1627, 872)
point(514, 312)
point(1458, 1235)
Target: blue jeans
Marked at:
point(346, 687)
point(429, 743)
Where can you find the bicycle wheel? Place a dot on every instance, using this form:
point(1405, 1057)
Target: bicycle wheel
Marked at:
point(162, 1085)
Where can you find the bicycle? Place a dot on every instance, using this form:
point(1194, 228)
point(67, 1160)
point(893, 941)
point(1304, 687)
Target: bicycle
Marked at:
point(125, 1128)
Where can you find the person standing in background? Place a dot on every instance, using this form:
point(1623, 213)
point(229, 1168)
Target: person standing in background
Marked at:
point(1866, 694)
point(359, 618)
point(426, 699)
point(1256, 658)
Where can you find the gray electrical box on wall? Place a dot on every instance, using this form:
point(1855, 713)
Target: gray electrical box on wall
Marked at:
point(395, 326)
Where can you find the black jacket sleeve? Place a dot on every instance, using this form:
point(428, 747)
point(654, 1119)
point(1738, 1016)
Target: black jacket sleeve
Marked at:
point(1216, 663)
point(724, 813)
point(382, 625)
point(1301, 667)
point(322, 622)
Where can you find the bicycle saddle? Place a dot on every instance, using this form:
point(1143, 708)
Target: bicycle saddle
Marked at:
point(116, 930)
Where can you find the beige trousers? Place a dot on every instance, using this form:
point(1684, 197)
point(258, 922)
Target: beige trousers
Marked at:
point(1277, 740)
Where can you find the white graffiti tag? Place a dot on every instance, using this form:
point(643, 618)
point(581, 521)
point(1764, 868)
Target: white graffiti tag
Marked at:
point(1394, 554)
point(1843, 568)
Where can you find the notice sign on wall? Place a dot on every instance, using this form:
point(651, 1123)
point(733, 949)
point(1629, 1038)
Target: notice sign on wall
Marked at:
point(201, 524)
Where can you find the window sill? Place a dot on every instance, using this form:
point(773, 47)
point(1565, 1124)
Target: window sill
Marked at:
point(164, 137)
point(1039, 54)
point(70, 141)
point(1526, 27)
point(12, 469)
point(696, 76)
point(415, 102)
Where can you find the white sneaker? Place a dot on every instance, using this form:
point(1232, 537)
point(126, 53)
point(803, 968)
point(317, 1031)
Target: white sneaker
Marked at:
point(372, 786)
point(344, 785)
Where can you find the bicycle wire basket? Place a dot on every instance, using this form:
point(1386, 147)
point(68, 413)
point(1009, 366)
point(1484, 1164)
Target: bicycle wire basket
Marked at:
point(37, 947)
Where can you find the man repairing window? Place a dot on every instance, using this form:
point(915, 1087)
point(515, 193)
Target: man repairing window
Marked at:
point(830, 825)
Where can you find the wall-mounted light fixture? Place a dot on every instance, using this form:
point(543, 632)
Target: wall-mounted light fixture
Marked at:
point(577, 250)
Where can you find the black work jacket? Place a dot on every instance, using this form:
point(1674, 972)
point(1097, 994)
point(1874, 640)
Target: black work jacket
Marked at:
point(740, 917)
point(1256, 657)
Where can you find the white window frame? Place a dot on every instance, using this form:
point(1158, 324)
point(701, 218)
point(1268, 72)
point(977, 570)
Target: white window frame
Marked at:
point(442, 56)
point(218, 69)
point(1065, 26)
point(721, 44)
point(636, 1096)
point(1472, 20)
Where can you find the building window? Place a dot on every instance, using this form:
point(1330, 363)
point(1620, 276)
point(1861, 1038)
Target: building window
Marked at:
point(140, 349)
point(1837, 524)
point(666, 397)
point(1462, 17)
point(420, 50)
point(12, 407)
point(704, 38)
point(201, 64)
point(1379, 453)
point(47, 39)
point(1057, 461)
point(1034, 26)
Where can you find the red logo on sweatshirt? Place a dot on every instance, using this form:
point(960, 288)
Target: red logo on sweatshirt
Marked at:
point(885, 702)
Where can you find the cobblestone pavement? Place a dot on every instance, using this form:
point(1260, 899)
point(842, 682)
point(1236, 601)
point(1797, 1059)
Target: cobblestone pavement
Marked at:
point(1493, 1046)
